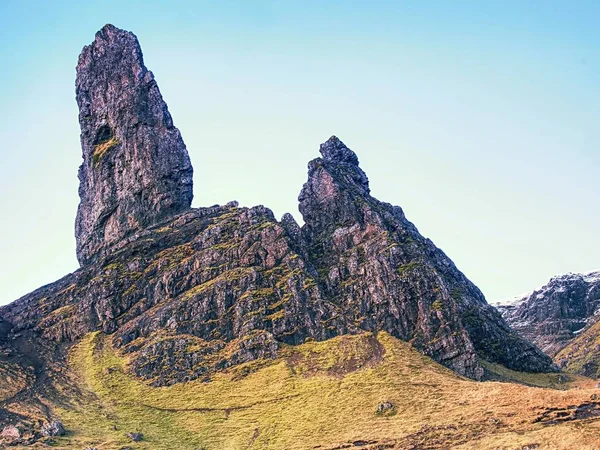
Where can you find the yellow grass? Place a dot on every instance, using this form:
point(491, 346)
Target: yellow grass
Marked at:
point(101, 149)
point(318, 394)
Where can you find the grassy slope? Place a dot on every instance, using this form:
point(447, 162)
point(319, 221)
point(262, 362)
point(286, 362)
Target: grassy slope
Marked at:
point(14, 379)
point(317, 394)
point(584, 349)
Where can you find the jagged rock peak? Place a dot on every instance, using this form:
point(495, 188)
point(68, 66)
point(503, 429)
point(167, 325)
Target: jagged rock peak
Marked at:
point(338, 166)
point(136, 171)
point(335, 150)
point(325, 197)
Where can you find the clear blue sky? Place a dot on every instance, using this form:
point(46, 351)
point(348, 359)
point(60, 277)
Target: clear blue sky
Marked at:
point(479, 118)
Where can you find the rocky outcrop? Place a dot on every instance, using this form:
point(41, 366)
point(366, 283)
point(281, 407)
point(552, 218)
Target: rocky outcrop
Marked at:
point(212, 288)
point(188, 292)
point(136, 171)
point(581, 355)
point(376, 267)
point(54, 428)
point(556, 313)
point(220, 286)
point(5, 328)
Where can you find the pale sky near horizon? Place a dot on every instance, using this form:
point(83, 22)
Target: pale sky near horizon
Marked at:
point(480, 119)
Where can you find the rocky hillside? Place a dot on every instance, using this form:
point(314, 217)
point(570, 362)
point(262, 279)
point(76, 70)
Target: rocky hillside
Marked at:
point(558, 312)
point(582, 354)
point(184, 294)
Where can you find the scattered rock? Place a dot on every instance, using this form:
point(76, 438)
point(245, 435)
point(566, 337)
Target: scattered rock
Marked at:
point(553, 416)
point(533, 446)
point(362, 443)
point(386, 408)
point(54, 428)
point(594, 397)
point(135, 437)
point(10, 433)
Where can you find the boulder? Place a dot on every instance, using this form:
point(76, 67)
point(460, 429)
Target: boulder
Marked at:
point(10, 433)
point(52, 429)
point(135, 437)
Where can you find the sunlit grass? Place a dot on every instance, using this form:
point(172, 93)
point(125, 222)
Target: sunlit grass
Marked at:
point(318, 393)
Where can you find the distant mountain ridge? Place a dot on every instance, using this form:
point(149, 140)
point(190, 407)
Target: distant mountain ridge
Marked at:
point(558, 313)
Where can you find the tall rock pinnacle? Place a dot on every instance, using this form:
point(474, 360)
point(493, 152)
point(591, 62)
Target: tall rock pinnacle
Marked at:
point(136, 171)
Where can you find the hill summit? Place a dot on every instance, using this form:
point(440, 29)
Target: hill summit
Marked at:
point(185, 293)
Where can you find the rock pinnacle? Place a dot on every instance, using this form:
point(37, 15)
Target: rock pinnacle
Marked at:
point(136, 171)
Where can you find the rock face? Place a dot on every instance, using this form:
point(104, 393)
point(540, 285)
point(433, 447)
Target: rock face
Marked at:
point(556, 313)
point(562, 319)
point(10, 433)
point(187, 292)
point(136, 171)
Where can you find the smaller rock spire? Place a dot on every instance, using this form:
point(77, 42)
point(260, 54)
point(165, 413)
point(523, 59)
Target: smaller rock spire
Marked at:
point(334, 181)
point(342, 163)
